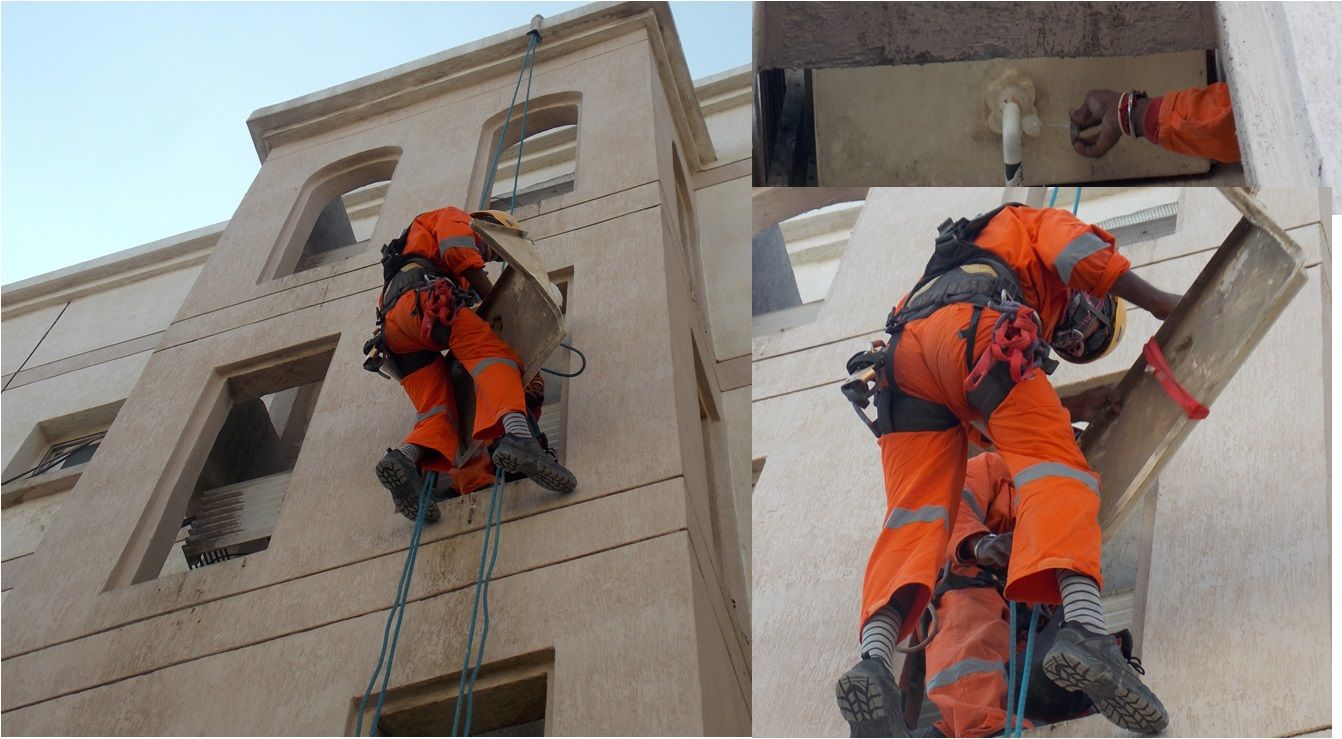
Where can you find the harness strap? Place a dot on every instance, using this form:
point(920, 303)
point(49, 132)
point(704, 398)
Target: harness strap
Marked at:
point(1155, 359)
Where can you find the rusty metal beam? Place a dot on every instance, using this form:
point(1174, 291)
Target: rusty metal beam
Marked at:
point(1249, 281)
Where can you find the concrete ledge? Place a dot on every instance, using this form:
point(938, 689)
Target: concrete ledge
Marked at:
point(493, 56)
point(796, 35)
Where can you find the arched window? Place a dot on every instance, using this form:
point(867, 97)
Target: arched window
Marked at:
point(336, 212)
point(548, 147)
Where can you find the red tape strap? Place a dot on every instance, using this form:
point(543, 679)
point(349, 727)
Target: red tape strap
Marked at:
point(1155, 359)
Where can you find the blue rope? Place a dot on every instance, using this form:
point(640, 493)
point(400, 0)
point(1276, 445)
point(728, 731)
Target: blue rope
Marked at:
point(390, 637)
point(1025, 671)
point(1076, 204)
point(469, 672)
point(1054, 197)
point(1011, 670)
point(507, 121)
point(522, 139)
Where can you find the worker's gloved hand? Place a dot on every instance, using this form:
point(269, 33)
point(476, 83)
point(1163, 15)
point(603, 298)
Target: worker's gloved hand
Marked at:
point(1088, 404)
point(993, 550)
point(1100, 108)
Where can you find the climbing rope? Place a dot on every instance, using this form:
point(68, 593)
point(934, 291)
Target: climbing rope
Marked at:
point(390, 634)
point(1016, 695)
point(528, 61)
point(489, 551)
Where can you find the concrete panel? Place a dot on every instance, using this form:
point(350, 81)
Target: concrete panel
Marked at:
point(875, 125)
point(1280, 61)
point(833, 34)
point(116, 315)
point(446, 564)
point(723, 213)
point(87, 388)
point(22, 334)
point(634, 601)
point(1254, 519)
point(25, 524)
point(1217, 324)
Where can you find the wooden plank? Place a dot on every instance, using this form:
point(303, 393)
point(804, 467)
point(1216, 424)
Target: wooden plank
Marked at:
point(1248, 283)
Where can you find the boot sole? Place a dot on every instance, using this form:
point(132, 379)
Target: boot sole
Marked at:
point(547, 473)
point(863, 706)
point(1126, 708)
point(394, 480)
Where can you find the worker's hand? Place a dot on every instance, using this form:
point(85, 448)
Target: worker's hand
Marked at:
point(1100, 108)
point(993, 551)
point(1088, 404)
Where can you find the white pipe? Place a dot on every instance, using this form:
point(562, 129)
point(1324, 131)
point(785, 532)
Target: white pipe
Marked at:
point(1011, 133)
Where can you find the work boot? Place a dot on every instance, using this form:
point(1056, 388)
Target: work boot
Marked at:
point(401, 478)
point(1084, 660)
point(870, 701)
point(524, 455)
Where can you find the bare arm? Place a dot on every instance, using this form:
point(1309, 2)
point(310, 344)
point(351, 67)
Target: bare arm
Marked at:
point(1143, 294)
point(479, 282)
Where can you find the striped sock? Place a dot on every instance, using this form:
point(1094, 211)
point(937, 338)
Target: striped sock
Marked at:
point(880, 634)
point(515, 424)
point(1081, 600)
point(411, 451)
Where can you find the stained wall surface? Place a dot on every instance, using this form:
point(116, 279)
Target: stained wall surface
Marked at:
point(1198, 641)
point(654, 540)
point(927, 124)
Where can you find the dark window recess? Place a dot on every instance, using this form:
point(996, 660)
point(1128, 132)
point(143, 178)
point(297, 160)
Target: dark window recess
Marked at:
point(513, 709)
point(343, 226)
point(549, 158)
point(237, 498)
point(69, 453)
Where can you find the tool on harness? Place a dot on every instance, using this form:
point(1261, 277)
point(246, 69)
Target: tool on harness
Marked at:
point(1156, 362)
point(438, 302)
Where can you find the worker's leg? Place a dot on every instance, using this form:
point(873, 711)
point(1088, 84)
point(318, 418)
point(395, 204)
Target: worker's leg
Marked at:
point(924, 472)
point(966, 662)
point(1058, 535)
point(1057, 524)
point(500, 405)
point(495, 369)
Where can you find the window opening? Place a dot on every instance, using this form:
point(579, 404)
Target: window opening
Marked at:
point(343, 226)
point(64, 455)
point(511, 699)
point(236, 500)
point(794, 265)
point(549, 149)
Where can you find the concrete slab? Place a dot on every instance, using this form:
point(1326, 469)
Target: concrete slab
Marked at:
point(927, 124)
point(1239, 294)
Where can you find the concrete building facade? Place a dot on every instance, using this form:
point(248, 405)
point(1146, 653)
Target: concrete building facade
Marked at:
point(224, 364)
point(1222, 575)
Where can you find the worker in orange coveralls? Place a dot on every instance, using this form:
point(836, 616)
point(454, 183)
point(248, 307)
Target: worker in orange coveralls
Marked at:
point(1197, 121)
point(965, 348)
point(426, 309)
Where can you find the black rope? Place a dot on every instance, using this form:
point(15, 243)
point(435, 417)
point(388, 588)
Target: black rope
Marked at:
point(575, 374)
point(50, 463)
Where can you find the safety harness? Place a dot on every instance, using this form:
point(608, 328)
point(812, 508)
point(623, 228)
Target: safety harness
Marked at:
point(959, 271)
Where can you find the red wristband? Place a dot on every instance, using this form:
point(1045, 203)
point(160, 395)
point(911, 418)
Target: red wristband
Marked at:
point(1151, 121)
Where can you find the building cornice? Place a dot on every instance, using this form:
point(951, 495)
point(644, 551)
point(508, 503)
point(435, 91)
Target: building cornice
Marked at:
point(499, 55)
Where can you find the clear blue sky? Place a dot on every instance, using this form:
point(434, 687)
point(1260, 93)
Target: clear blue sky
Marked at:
point(123, 123)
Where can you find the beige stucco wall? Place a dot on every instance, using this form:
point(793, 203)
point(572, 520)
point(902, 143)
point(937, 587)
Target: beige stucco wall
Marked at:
point(637, 581)
point(1221, 551)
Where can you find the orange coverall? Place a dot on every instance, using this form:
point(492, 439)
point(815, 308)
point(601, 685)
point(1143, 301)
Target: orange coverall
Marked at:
point(966, 673)
point(1196, 121)
point(445, 238)
point(1057, 517)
